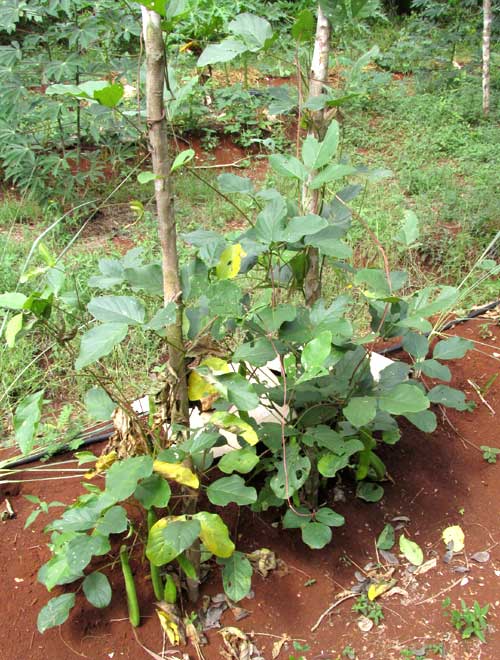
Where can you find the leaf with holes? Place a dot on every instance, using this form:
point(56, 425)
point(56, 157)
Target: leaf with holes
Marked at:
point(55, 612)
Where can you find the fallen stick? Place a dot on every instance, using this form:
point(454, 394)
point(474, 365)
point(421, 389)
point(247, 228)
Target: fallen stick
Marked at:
point(332, 607)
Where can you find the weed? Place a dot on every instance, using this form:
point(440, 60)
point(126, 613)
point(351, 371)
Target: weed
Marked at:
point(349, 652)
point(368, 608)
point(299, 647)
point(489, 453)
point(437, 649)
point(468, 621)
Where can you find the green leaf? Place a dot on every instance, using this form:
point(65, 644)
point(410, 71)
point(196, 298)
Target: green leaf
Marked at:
point(182, 158)
point(329, 517)
point(452, 349)
point(416, 345)
point(168, 538)
point(329, 244)
point(117, 309)
point(272, 318)
point(288, 166)
point(360, 410)
point(99, 341)
point(57, 571)
point(386, 538)
point(434, 369)
point(314, 355)
point(300, 226)
point(146, 278)
point(425, 421)
point(153, 491)
point(369, 492)
point(402, 399)
point(303, 28)
point(310, 150)
point(13, 328)
point(236, 576)
point(226, 51)
point(123, 476)
point(145, 177)
point(238, 390)
point(82, 548)
point(328, 147)
point(254, 31)
point(55, 612)
point(231, 489)
point(164, 317)
point(257, 353)
point(411, 551)
point(270, 221)
point(409, 232)
point(241, 460)
point(26, 420)
point(109, 96)
point(12, 300)
point(99, 404)
point(448, 396)
point(333, 172)
point(296, 519)
point(231, 183)
point(298, 467)
point(316, 535)
point(154, 5)
point(214, 534)
point(331, 463)
point(114, 521)
point(97, 589)
point(234, 424)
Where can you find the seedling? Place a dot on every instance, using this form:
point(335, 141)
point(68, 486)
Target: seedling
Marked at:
point(349, 653)
point(489, 453)
point(43, 507)
point(299, 647)
point(468, 621)
point(437, 649)
point(368, 608)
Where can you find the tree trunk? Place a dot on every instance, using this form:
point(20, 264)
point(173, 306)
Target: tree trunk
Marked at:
point(312, 198)
point(177, 398)
point(486, 55)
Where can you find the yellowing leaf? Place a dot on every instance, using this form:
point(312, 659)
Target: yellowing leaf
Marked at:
point(376, 590)
point(170, 627)
point(454, 535)
point(102, 464)
point(214, 534)
point(234, 424)
point(177, 472)
point(230, 262)
point(198, 387)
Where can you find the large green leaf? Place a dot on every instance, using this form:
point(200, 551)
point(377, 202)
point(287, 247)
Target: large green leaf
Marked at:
point(288, 166)
point(270, 221)
point(298, 468)
point(231, 489)
point(448, 396)
point(237, 390)
point(99, 341)
point(333, 172)
point(316, 535)
point(226, 51)
point(55, 612)
point(123, 476)
point(254, 31)
point(147, 278)
point(303, 225)
point(214, 534)
point(12, 300)
point(369, 491)
point(409, 232)
point(113, 521)
point(314, 355)
point(329, 146)
point(162, 318)
point(435, 369)
point(153, 491)
point(329, 517)
point(329, 244)
point(360, 410)
point(236, 576)
point(310, 150)
point(411, 551)
point(404, 398)
point(231, 183)
point(169, 537)
point(97, 589)
point(452, 348)
point(117, 309)
point(27, 419)
point(99, 404)
point(416, 345)
point(425, 420)
point(257, 352)
point(386, 538)
point(83, 547)
point(241, 460)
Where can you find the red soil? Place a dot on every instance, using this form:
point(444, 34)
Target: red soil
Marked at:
point(439, 480)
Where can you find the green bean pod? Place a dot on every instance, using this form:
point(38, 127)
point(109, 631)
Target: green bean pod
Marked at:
point(170, 595)
point(154, 570)
point(132, 602)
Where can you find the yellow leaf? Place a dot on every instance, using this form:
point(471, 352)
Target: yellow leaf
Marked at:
point(198, 387)
point(234, 424)
point(230, 262)
point(214, 534)
point(102, 464)
point(376, 590)
point(455, 535)
point(170, 627)
point(177, 472)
